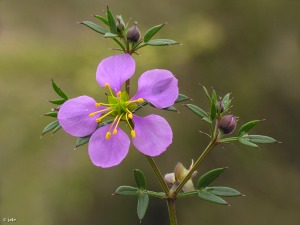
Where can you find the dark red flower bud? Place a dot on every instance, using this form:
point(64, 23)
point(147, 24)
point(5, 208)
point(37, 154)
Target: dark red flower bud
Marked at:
point(219, 106)
point(133, 34)
point(227, 124)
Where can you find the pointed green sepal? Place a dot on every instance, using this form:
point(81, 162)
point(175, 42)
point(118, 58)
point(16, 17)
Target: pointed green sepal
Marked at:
point(209, 177)
point(50, 126)
point(143, 201)
point(162, 42)
point(223, 191)
point(127, 191)
point(57, 128)
point(152, 31)
point(51, 114)
point(140, 179)
point(94, 27)
point(226, 101)
point(82, 140)
point(205, 195)
point(182, 98)
point(58, 101)
point(58, 90)
point(102, 19)
point(213, 108)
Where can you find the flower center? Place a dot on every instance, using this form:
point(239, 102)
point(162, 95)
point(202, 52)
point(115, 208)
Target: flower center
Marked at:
point(119, 107)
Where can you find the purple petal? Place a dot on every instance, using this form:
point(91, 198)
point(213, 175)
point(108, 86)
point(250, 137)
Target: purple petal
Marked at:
point(74, 117)
point(115, 70)
point(159, 87)
point(153, 134)
point(107, 153)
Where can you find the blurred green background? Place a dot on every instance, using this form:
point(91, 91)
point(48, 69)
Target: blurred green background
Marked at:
point(250, 48)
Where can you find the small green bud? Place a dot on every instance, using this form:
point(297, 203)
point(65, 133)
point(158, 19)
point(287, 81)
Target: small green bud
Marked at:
point(133, 34)
point(227, 124)
point(120, 24)
point(219, 106)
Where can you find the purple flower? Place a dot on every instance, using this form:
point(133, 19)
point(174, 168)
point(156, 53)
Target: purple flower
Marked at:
point(109, 144)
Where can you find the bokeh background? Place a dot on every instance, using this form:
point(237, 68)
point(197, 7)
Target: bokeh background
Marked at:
point(250, 48)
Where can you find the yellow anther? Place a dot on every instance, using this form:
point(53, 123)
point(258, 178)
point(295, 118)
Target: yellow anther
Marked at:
point(97, 104)
point(91, 114)
point(98, 120)
point(107, 136)
point(133, 134)
point(119, 93)
point(107, 85)
point(115, 132)
point(130, 115)
point(140, 100)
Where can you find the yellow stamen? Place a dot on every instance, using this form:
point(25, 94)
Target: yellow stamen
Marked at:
point(133, 134)
point(117, 124)
point(109, 88)
point(100, 111)
point(107, 136)
point(129, 113)
point(105, 115)
point(115, 132)
point(119, 93)
point(140, 100)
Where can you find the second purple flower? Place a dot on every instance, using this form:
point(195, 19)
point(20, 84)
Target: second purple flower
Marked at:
point(109, 144)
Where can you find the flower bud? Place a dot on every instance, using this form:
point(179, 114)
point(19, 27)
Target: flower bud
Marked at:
point(219, 107)
point(133, 34)
point(227, 124)
point(120, 24)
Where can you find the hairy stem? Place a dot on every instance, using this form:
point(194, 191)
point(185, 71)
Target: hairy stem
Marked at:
point(158, 175)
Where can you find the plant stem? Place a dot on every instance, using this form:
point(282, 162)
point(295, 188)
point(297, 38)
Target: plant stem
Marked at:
point(127, 86)
point(158, 175)
point(197, 163)
point(172, 211)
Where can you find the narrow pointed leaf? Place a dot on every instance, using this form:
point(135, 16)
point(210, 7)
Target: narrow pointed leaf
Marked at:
point(213, 108)
point(260, 139)
point(143, 201)
point(223, 191)
point(182, 98)
point(57, 101)
point(207, 119)
point(50, 127)
point(226, 101)
point(161, 42)
point(51, 114)
point(58, 90)
point(140, 179)
point(207, 94)
point(94, 27)
point(209, 177)
point(211, 198)
point(198, 111)
point(57, 128)
point(112, 22)
point(102, 19)
point(152, 31)
point(247, 127)
point(110, 35)
point(246, 142)
point(171, 108)
point(127, 191)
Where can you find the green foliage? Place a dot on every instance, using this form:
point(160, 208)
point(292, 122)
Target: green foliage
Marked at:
point(140, 179)
point(152, 31)
point(142, 205)
point(50, 126)
point(209, 177)
point(162, 42)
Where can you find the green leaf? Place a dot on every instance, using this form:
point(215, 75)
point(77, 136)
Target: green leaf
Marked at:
point(143, 201)
point(211, 197)
point(260, 139)
point(56, 129)
point(182, 98)
point(207, 94)
point(209, 177)
point(82, 140)
point(161, 42)
point(227, 140)
point(247, 127)
point(94, 27)
point(50, 127)
point(226, 101)
point(246, 142)
point(102, 19)
point(127, 191)
point(223, 191)
point(58, 90)
point(110, 35)
point(213, 108)
point(198, 111)
point(171, 108)
point(51, 114)
point(152, 31)
point(58, 101)
point(207, 119)
point(111, 22)
point(140, 179)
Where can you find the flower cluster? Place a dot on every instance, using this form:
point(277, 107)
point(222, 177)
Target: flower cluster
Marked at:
point(109, 144)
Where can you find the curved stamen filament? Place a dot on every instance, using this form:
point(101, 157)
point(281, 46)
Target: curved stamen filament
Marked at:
point(140, 100)
point(100, 111)
point(108, 134)
point(109, 88)
point(132, 132)
point(105, 115)
point(129, 113)
point(98, 104)
point(117, 124)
